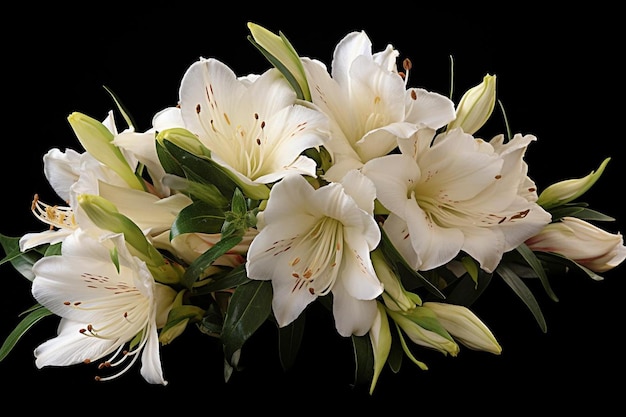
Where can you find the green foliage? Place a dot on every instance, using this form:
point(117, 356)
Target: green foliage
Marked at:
point(34, 315)
point(249, 308)
point(22, 261)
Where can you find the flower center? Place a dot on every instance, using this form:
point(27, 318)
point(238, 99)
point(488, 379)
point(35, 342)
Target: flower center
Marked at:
point(56, 216)
point(317, 268)
point(122, 313)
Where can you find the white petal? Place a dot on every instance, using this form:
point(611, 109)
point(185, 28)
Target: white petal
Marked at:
point(71, 347)
point(394, 176)
point(429, 109)
point(352, 316)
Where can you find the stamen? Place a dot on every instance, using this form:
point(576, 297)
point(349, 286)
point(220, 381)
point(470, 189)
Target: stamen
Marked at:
point(61, 217)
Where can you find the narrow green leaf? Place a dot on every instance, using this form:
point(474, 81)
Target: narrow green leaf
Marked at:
point(27, 322)
point(231, 279)
point(523, 292)
point(364, 360)
point(22, 261)
point(534, 262)
point(197, 267)
point(249, 307)
point(121, 108)
point(289, 341)
point(466, 291)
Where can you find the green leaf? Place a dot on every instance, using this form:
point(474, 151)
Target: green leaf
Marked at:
point(196, 270)
point(364, 360)
point(22, 261)
point(249, 307)
point(396, 354)
point(231, 279)
point(523, 292)
point(198, 217)
point(466, 291)
point(534, 262)
point(552, 257)
point(289, 341)
point(27, 322)
point(201, 168)
point(121, 108)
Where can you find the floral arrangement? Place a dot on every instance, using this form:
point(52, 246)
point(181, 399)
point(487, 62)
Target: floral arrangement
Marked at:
point(256, 196)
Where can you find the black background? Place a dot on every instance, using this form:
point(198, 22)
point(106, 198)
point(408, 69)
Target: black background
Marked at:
point(559, 78)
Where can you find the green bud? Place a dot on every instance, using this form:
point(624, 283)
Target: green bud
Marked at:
point(98, 141)
point(105, 215)
point(178, 318)
point(380, 337)
point(279, 51)
point(394, 296)
point(568, 190)
point(464, 326)
point(183, 139)
point(422, 327)
point(476, 106)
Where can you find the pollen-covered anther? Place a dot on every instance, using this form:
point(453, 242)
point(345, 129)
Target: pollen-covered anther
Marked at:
point(413, 95)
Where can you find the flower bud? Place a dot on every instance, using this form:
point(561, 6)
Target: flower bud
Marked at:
point(98, 141)
point(465, 327)
point(565, 191)
point(422, 327)
point(394, 295)
point(105, 215)
point(279, 51)
point(476, 106)
point(581, 242)
point(183, 139)
point(380, 337)
point(180, 315)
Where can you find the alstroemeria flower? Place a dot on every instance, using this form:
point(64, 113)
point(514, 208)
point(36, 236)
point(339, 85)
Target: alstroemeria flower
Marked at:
point(458, 194)
point(255, 127)
point(316, 241)
point(71, 173)
point(582, 242)
point(368, 103)
point(102, 309)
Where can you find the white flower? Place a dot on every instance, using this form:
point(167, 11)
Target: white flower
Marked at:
point(102, 309)
point(255, 127)
point(582, 242)
point(368, 103)
point(71, 174)
point(458, 194)
point(317, 241)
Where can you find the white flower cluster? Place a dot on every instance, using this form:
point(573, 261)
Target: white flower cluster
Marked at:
point(305, 183)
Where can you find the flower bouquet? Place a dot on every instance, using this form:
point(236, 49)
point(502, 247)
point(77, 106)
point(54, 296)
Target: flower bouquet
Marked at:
point(255, 197)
